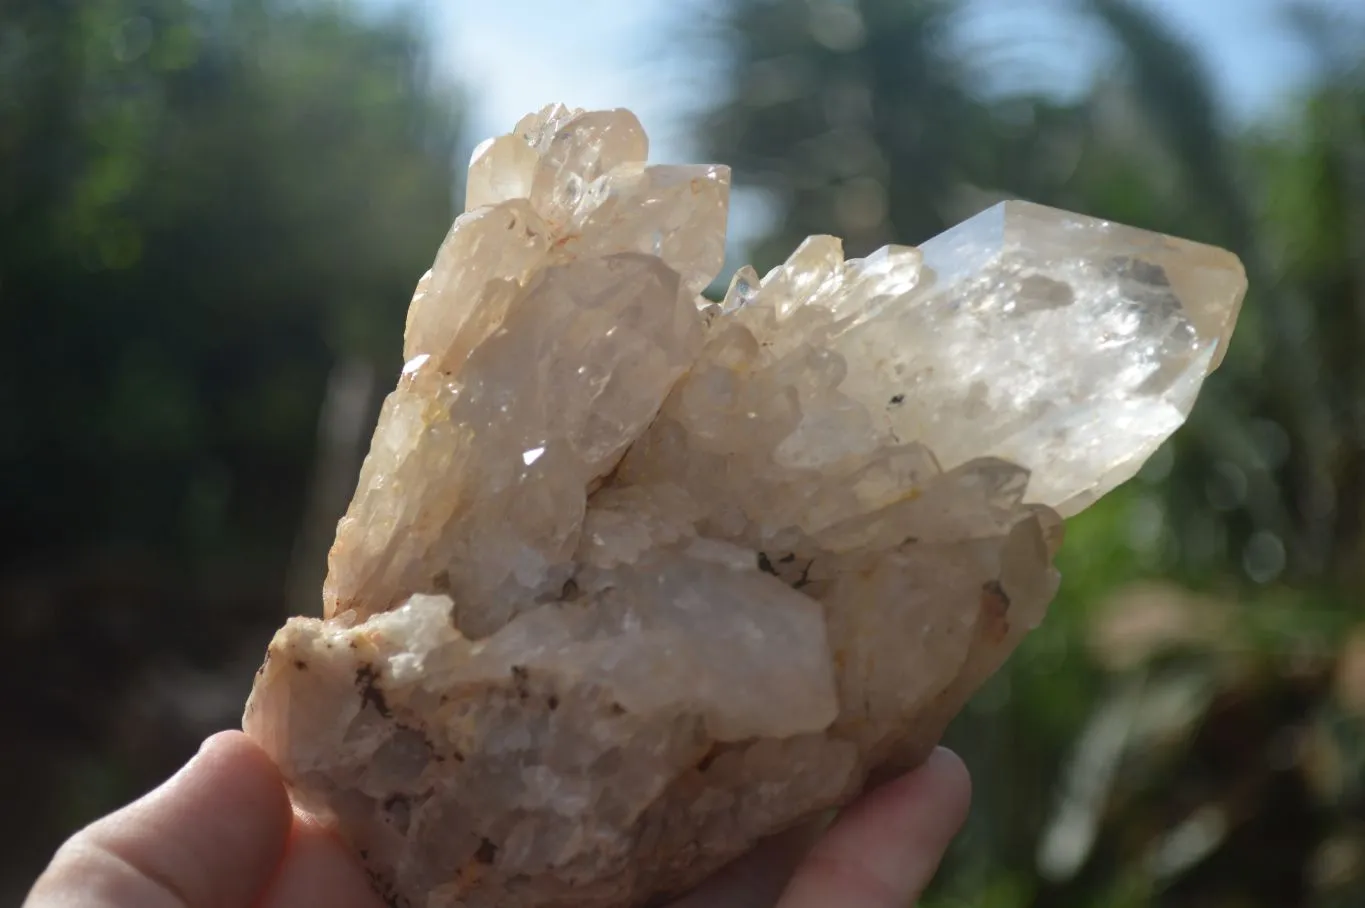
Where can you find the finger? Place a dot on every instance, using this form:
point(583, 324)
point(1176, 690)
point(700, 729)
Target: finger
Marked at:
point(758, 878)
point(210, 837)
point(884, 850)
point(318, 872)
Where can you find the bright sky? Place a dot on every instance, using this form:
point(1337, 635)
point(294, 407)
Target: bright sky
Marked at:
point(514, 56)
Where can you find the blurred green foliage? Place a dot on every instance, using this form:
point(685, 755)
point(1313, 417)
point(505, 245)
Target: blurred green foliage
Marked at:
point(206, 207)
point(1186, 729)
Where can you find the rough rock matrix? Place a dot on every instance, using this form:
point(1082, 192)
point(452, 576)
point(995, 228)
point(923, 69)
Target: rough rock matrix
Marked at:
point(632, 580)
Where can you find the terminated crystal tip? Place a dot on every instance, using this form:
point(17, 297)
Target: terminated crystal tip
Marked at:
point(632, 580)
point(1066, 344)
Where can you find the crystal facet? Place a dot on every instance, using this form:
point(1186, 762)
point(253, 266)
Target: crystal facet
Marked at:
point(632, 579)
point(1089, 342)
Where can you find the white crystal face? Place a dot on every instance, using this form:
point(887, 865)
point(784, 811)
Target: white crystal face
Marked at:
point(632, 580)
point(559, 312)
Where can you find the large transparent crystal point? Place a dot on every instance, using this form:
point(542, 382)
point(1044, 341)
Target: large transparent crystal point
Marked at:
point(632, 580)
point(1070, 345)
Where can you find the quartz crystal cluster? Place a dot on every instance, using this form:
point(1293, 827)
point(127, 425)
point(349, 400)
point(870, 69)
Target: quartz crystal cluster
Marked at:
point(632, 580)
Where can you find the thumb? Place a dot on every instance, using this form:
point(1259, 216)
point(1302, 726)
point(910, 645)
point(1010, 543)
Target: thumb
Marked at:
point(210, 837)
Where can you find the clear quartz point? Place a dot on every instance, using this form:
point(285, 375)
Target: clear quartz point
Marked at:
point(1069, 345)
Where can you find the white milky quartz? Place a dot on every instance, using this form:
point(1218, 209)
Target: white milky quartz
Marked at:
point(632, 580)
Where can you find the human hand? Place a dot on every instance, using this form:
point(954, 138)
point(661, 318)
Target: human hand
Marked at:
point(221, 834)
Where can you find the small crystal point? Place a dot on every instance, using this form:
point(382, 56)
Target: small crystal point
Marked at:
point(631, 581)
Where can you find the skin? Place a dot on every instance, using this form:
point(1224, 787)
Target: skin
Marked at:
point(221, 834)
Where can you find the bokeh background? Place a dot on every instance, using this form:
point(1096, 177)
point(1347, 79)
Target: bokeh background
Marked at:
point(212, 213)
